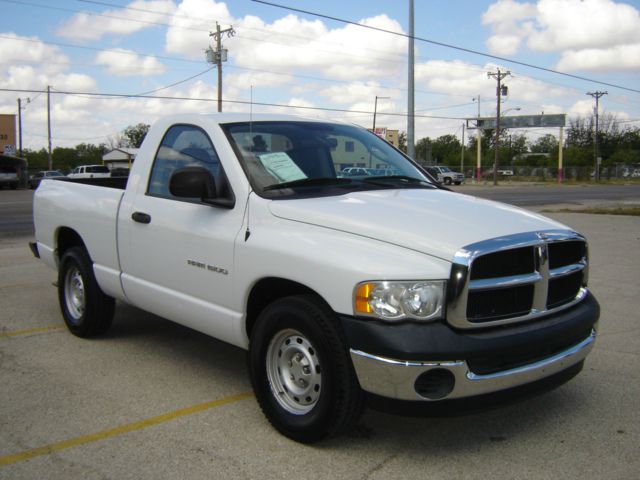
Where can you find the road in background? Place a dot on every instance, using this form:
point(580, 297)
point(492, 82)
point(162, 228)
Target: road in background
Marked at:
point(532, 195)
point(16, 213)
point(16, 206)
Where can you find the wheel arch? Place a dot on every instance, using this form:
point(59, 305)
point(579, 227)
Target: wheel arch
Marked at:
point(67, 238)
point(266, 291)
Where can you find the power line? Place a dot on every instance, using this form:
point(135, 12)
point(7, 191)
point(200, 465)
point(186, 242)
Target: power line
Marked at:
point(239, 102)
point(187, 17)
point(97, 49)
point(195, 29)
point(441, 44)
point(178, 59)
point(150, 91)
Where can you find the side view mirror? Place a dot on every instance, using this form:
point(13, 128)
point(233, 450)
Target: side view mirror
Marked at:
point(197, 182)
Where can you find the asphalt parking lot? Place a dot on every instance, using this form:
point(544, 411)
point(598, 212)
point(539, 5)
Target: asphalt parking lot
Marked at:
point(156, 400)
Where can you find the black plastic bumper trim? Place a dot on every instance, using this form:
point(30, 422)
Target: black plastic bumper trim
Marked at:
point(439, 341)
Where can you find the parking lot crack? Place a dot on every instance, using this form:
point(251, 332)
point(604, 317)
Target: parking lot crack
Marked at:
point(379, 466)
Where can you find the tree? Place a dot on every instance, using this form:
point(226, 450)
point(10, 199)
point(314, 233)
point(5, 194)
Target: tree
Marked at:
point(402, 142)
point(89, 153)
point(37, 159)
point(546, 144)
point(135, 134)
point(423, 150)
point(446, 150)
point(116, 141)
point(65, 158)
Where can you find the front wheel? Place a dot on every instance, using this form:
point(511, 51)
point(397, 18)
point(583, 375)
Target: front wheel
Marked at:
point(301, 371)
point(86, 309)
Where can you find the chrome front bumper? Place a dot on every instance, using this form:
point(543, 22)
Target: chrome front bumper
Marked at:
point(397, 379)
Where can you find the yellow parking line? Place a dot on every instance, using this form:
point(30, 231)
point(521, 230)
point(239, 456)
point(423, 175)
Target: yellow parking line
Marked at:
point(112, 432)
point(17, 333)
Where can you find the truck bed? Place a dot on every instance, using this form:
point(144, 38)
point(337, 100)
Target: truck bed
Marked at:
point(113, 182)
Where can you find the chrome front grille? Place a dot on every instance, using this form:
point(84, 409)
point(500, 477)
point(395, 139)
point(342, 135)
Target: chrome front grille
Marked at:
point(517, 278)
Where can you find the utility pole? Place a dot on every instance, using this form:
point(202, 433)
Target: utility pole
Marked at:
point(498, 76)
point(375, 110)
point(411, 126)
point(597, 96)
point(219, 55)
point(20, 108)
point(462, 153)
point(479, 143)
point(49, 124)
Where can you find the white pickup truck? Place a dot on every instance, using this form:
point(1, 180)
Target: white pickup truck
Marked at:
point(384, 290)
point(90, 171)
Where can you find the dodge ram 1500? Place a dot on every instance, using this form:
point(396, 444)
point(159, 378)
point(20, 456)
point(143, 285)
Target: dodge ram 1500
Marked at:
point(344, 290)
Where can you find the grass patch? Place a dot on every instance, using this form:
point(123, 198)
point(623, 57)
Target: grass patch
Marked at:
point(632, 211)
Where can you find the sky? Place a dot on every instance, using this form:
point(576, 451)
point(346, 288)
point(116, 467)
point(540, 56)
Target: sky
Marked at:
point(309, 65)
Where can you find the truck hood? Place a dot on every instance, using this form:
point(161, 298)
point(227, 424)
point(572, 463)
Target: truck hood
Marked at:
point(434, 222)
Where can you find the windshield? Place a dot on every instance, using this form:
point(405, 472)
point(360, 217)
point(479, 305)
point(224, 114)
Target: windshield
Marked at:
point(288, 158)
point(445, 169)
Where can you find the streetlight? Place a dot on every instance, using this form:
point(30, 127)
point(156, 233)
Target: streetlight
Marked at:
point(517, 109)
point(375, 109)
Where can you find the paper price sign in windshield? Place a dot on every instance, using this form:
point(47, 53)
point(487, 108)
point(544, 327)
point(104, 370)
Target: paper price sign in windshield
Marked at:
point(281, 166)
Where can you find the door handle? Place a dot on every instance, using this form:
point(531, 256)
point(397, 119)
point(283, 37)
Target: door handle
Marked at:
point(141, 217)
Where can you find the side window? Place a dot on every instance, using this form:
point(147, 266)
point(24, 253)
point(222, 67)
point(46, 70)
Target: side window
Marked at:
point(182, 146)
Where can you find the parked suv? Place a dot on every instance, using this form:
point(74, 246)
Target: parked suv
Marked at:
point(448, 175)
point(435, 173)
point(9, 177)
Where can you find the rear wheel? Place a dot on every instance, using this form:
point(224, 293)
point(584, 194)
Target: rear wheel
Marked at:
point(301, 371)
point(86, 309)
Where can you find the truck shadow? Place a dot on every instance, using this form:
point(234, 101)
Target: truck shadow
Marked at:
point(182, 345)
point(544, 415)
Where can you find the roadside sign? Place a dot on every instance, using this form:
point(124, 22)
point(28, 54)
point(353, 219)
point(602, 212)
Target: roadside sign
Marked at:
point(521, 121)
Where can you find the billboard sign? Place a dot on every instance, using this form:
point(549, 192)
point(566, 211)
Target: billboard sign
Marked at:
point(7, 133)
point(381, 132)
point(523, 121)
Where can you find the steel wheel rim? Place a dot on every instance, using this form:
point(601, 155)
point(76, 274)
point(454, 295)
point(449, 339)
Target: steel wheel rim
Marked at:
point(294, 372)
point(74, 294)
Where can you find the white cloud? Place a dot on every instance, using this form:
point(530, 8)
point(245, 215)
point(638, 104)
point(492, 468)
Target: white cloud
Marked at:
point(619, 57)
point(505, 18)
point(123, 62)
point(193, 19)
point(355, 93)
point(17, 49)
point(289, 42)
point(138, 15)
point(580, 24)
point(589, 34)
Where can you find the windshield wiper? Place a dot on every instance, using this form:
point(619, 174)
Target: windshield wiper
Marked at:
point(308, 182)
point(394, 180)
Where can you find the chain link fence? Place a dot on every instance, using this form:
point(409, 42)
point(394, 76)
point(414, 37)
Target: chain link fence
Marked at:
point(548, 174)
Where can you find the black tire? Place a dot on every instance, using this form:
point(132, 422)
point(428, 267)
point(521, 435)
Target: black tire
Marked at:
point(86, 310)
point(458, 183)
point(447, 181)
point(291, 335)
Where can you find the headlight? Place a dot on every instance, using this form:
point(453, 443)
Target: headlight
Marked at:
point(399, 300)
